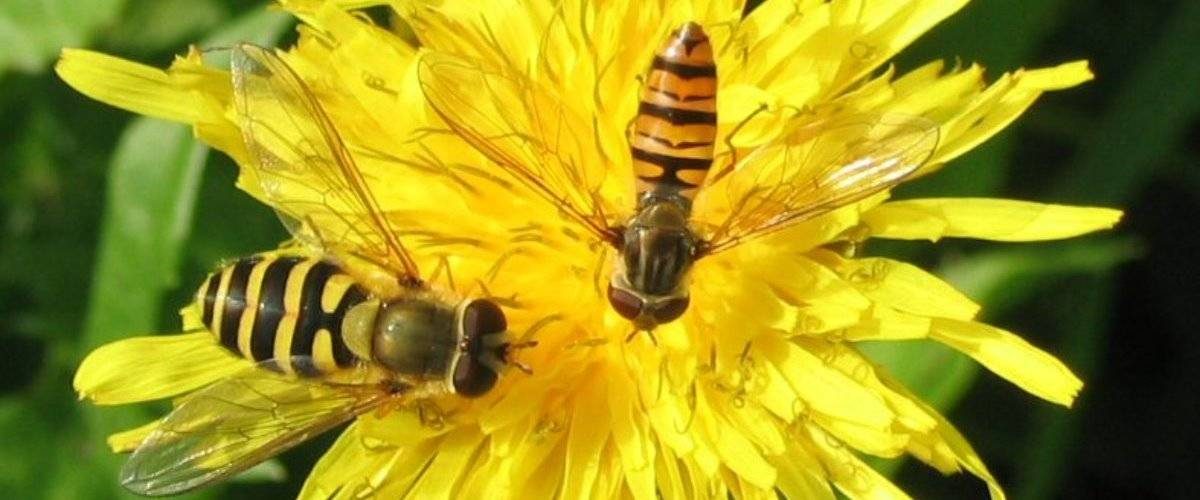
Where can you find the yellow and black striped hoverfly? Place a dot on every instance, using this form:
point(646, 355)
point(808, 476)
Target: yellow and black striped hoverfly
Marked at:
point(821, 162)
point(333, 336)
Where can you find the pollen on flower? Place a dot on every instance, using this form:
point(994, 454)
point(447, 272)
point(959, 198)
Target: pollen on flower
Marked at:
point(758, 388)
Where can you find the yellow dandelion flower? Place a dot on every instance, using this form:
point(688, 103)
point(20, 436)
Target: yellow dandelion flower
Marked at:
point(758, 388)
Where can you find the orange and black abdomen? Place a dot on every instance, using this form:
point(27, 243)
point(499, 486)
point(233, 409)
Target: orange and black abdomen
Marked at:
point(283, 309)
point(676, 125)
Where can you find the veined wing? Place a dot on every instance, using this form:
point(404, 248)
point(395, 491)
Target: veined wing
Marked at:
point(306, 170)
point(816, 167)
point(238, 422)
point(522, 128)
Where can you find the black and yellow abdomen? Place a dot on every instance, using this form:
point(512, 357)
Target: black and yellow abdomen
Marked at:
point(284, 309)
point(676, 124)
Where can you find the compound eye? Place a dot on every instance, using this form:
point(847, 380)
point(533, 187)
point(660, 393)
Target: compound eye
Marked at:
point(472, 378)
point(483, 317)
point(672, 309)
point(627, 304)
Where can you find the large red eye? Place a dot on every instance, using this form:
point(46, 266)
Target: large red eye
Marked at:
point(483, 317)
point(472, 378)
point(626, 304)
point(671, 310)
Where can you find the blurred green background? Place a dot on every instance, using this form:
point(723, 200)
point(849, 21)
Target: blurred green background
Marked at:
point(108, 221)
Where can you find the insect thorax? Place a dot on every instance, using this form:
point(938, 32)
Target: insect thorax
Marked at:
point(415, 336)
point(658, 246)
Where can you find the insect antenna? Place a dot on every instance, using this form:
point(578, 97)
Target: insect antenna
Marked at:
point(526, 343)
point(523, 367)
point(508, 355)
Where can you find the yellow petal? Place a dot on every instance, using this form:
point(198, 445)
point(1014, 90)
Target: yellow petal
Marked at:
point(383, 475)
point(523, 400)
point(398, 427)
point(733, 450)
point(1000, 104)
point(848, 473)
point(845, 358)
point(985, 218)
point(753, 423)
point(743, 458)
point(671, 418)
point(966, 455)
point(830, 44)
point(1012, 358)
point(535, 471)
point(801, 476)
point(1063, 76)
point(877, 441)
point(825, 318)
point(945, 440)
point(926, 91)
point(776, 395)
point(670, 480)
point(610, 480)
point(798, 280)
point(156, 367)
point(629, 432)
point(902, 286)
point(329, 474)
point(454, 457)
point(135, 87)
point(189, 92)
point(887, 324)
point(586, 439)
point(824, 390)
point(888, 27)
point(751, 110)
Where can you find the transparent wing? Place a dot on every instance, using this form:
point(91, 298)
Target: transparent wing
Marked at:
point(523, 129)
point(306, 170)
point(238, 422)
point(818, 166)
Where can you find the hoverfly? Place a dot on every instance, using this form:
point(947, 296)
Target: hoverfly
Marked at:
point(818, 164)
point(334, 337)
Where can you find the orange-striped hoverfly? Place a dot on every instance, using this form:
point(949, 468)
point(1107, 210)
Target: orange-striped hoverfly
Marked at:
point(818, 164)
point(334, 336)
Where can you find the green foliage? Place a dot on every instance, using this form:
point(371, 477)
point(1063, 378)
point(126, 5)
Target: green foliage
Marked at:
point(107, 222)
point(152, 186)
point(155, 25)
point(32, 32)
point(68, 199)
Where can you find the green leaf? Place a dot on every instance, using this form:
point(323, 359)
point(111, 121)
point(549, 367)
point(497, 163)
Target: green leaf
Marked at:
point(23, 429)
point(990, 33)
point(33, 31)
point(270, 471)
point(48, 229)
point(156, 25)
point(260, 26)
point(1148, 116)
point(1006, 277)
point(153, 180)
point(1082, 312)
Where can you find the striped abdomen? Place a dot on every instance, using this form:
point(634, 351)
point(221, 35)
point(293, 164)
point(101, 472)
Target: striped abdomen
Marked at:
point(676, 125)
point(281, 308)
